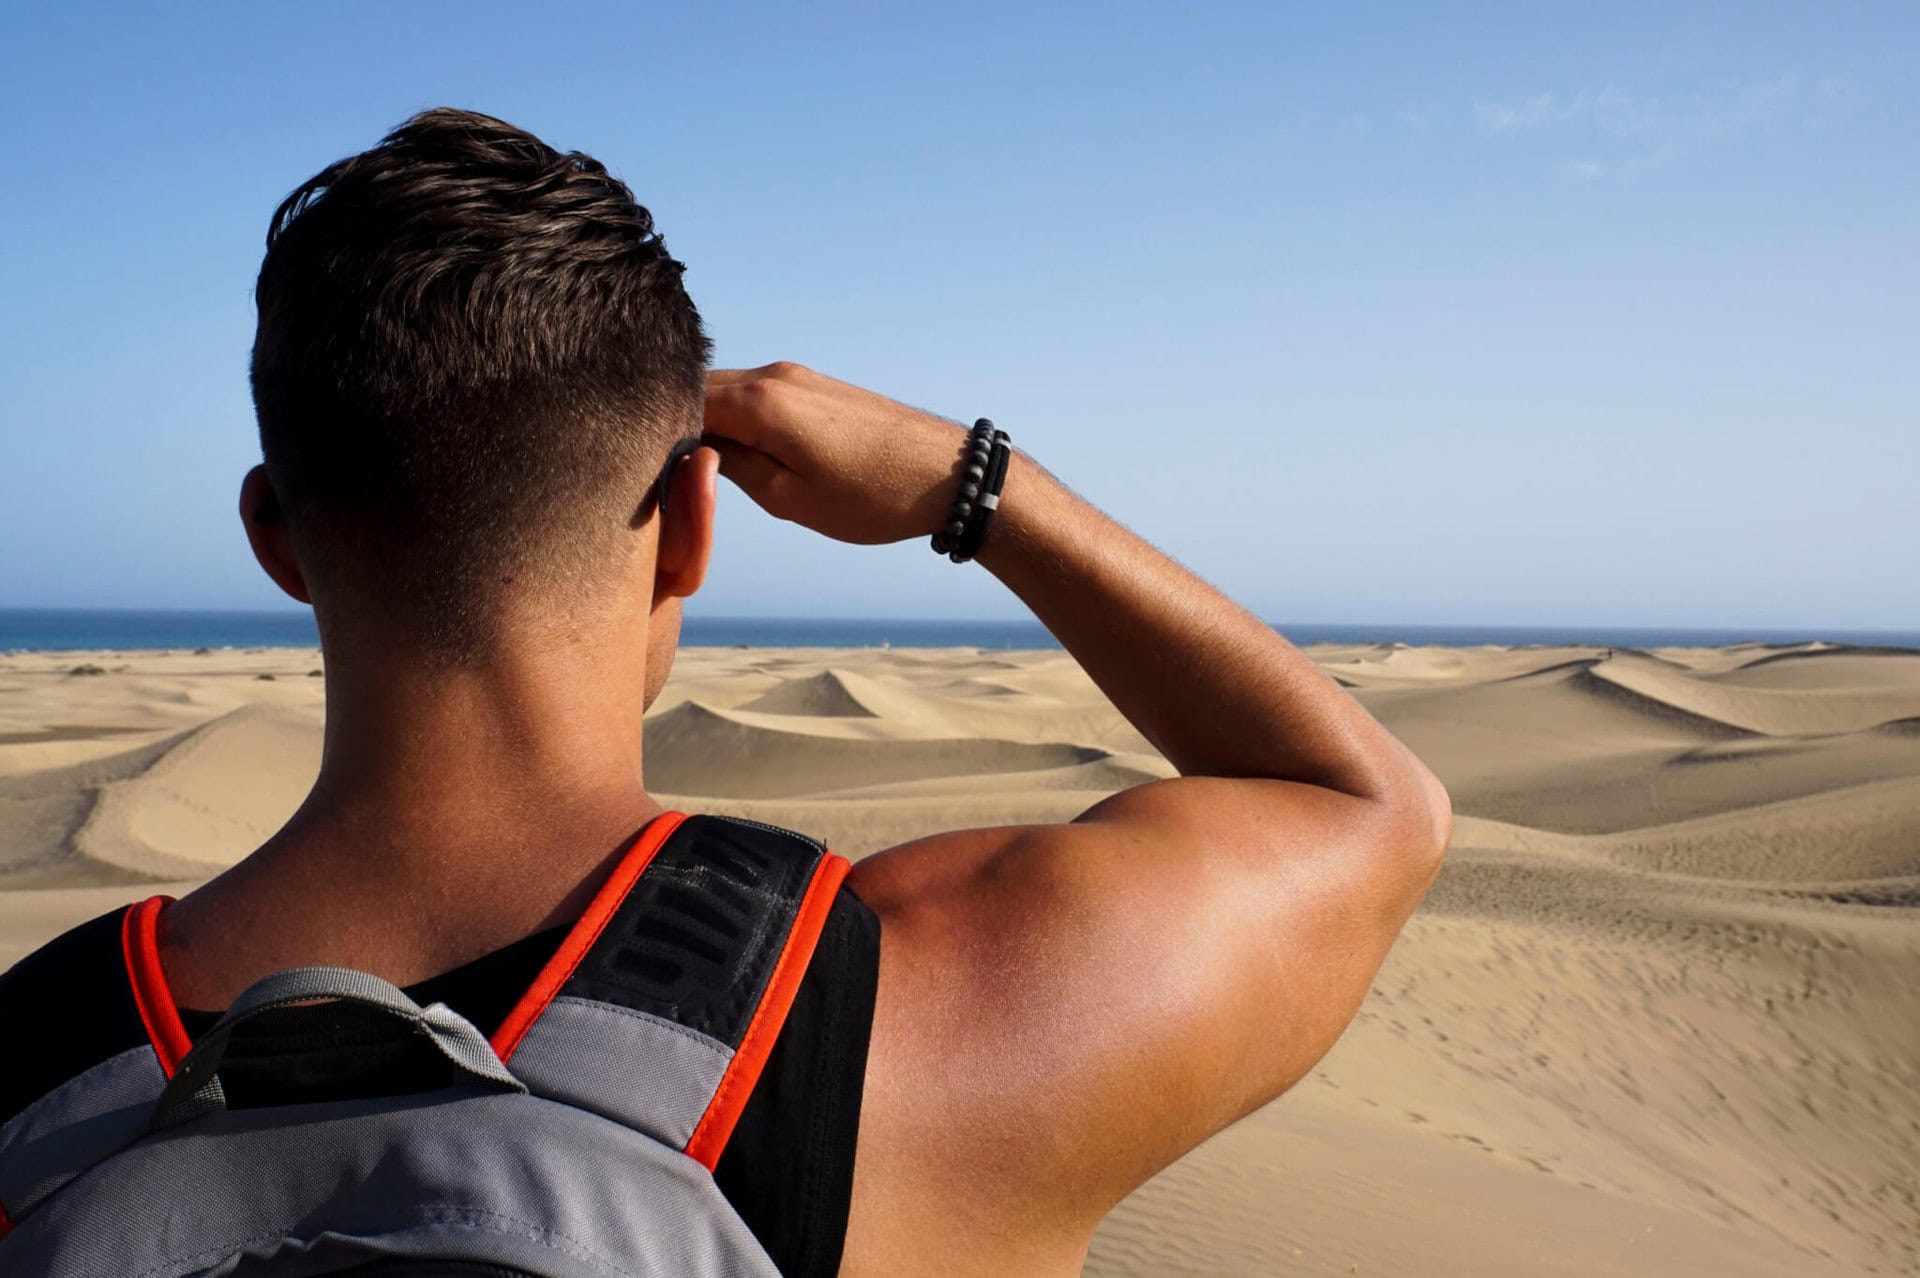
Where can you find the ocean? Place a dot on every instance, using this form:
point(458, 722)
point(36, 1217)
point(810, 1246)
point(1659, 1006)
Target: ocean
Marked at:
point(61, 629)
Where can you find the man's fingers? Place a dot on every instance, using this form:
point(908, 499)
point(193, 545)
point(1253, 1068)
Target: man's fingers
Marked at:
point(758, 475)
point(732, 452)
point(779, 369)
point(735, 411)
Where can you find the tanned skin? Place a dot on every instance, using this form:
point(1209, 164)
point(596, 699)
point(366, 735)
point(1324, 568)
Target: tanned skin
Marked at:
point(1063, 1010)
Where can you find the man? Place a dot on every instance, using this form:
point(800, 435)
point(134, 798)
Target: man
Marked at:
point(491, 449)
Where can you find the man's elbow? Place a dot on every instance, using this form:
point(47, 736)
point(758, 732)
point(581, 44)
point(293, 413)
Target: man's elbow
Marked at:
point(1422, 821)
point(1438, 811)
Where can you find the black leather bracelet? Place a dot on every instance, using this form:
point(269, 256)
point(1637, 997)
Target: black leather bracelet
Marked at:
point(988, 501)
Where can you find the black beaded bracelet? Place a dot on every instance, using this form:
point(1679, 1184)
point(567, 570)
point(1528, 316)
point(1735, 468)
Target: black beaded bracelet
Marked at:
point(979, 457)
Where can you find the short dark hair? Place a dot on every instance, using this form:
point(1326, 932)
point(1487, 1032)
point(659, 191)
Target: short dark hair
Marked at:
point(474, 355)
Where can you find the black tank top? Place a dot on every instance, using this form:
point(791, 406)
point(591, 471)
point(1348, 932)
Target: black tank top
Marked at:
point(788, 1169)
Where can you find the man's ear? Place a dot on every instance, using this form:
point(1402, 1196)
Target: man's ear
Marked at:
point(266, 527)
point(688, 495)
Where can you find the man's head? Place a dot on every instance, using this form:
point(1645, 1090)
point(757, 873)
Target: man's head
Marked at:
point(474, 359)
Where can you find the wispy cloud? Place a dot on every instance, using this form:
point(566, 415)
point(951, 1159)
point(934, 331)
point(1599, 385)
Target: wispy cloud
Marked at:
point(1636, 130)
point(1579, 170)
point(1541, 111)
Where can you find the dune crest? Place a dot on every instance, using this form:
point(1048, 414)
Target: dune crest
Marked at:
point(694, 749)
point(211, 797)
point(1833, 706)
point(831, 692)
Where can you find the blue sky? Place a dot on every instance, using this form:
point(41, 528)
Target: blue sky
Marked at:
point(1522, 314)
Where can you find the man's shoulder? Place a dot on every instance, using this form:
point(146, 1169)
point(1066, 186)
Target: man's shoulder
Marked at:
point(63, 1009)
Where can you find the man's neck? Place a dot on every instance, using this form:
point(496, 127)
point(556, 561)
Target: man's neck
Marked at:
point(489, 799)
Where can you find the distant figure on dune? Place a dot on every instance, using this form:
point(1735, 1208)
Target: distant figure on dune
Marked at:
point(498, 1026)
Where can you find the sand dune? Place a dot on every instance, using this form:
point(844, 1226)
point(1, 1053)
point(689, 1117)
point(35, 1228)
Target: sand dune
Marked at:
point(831, 692)
point(1660, 1015)
point(1757, 707)
point(45, 809)
point(184, 814)
point(1861, 832)
point(1839, 666)
point(693, 749)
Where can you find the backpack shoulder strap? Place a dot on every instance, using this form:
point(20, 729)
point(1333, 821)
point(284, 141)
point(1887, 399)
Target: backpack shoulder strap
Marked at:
point(661, 1006)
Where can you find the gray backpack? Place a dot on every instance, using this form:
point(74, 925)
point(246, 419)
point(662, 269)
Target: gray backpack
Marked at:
point(578, 1143)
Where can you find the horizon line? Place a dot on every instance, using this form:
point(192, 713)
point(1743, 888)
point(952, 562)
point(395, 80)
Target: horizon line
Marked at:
point(722, 618)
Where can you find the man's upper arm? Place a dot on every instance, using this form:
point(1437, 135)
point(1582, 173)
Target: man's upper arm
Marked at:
point(1065, 1009)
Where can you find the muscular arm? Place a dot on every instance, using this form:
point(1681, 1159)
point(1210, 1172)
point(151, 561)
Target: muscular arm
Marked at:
point(1210, 685)
point(1065, 1009)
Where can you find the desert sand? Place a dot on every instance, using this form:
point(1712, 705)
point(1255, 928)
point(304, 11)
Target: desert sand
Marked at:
point(1660, 1015)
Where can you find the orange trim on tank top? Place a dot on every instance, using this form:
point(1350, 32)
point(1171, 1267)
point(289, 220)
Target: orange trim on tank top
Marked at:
point(716, 1126)
point(140, 943)
point(560, 968)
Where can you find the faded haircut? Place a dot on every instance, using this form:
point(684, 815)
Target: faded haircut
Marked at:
point(474, 356)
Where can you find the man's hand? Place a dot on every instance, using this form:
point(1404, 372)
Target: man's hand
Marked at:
point(845, 462)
